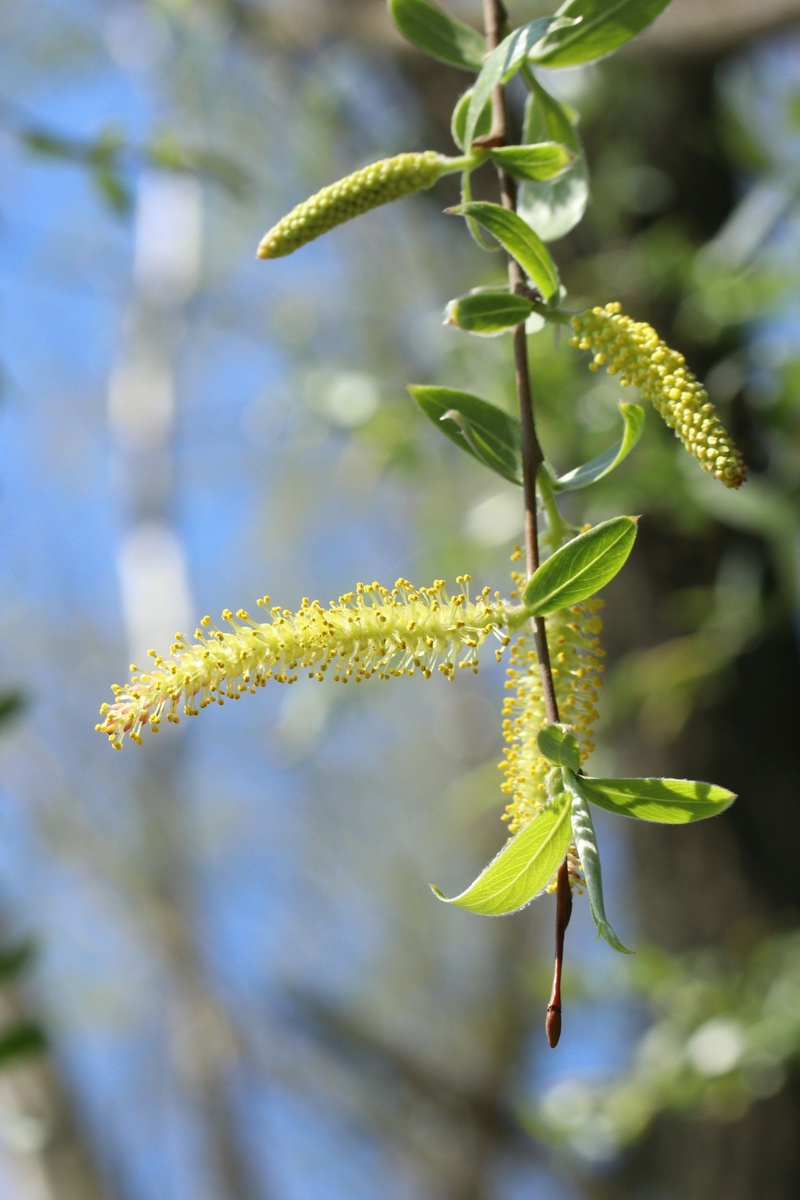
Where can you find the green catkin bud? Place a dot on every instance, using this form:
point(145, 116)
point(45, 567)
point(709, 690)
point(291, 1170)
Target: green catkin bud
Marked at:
point(634, 351)
point(371, 631)
point(382, 181)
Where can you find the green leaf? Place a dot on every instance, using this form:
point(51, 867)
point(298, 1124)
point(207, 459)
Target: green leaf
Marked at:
point(541, 161)
point(559, 746)
point(553, 207)
point(15, 959)
point(11, 703)
point(113, 190)
point(458, 121)
point(480, 428)
point(106, 147)
point(500, 66)
point(586, 844)
point(580, 568)
point(597, 28)
point(21, 1041)
point(50, 145)
point(518, 239)
point(524, 866)
point(475, 232)
point(438, 34)
point(488, 313)
point(668, 801)
point(605, 463)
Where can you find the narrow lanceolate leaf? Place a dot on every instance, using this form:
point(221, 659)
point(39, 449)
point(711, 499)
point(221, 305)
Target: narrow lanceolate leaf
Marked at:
point(518, 239)
point(586, 844)
point(552, 206)
point(438, 34)
point(668, 801)
point(488, 313)
point(580, 568)
point(597, 28)
point(559, 746)
point(597, 468)
point(543, 161)
point(501, 65)
point(483, 430)
point(524, 866)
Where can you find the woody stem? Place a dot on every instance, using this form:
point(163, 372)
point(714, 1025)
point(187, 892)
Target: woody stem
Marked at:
point(494, 18)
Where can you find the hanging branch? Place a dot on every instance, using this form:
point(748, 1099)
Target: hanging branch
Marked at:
point(408, 630)
point(494, 16)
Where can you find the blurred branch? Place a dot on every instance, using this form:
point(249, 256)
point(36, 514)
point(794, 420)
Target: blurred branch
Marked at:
point(111, 158)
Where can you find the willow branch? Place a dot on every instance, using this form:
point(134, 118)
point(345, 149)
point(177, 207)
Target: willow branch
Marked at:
point(494, 18)
point(532, 457)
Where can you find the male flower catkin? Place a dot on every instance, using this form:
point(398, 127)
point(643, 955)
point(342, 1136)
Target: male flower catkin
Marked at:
point(380, 182)
point(369, 631)
point(634, 351)
point(575, 658)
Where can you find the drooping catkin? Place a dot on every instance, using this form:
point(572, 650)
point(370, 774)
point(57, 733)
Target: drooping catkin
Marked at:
point(371, 631)
point(379, 183)
point(576, 664)
point(634, 351)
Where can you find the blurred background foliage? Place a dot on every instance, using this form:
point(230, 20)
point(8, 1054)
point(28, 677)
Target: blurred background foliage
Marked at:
point(247, 989)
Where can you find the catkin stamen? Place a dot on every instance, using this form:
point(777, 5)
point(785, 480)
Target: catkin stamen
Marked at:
point(374, 630)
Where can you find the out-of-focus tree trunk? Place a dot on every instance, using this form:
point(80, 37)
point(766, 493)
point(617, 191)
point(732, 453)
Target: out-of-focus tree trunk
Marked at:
point(724, 882)
point(44, 1154)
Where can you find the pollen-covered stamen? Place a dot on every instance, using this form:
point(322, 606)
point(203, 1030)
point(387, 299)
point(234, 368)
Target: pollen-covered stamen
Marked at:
point(374, 630)
point(634, 351)
point(576, 654)
point(379, 183)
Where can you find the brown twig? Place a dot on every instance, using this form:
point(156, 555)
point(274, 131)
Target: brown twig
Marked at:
point(552, 1024)
point(494, 20)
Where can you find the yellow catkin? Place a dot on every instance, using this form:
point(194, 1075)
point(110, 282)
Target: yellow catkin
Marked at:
point(371, 631)
point(575, 654)
point(634, 351)
point(379, 183)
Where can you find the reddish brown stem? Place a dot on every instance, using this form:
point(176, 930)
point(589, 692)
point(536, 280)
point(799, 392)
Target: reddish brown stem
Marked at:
point(494, 18)
point(552, 1024)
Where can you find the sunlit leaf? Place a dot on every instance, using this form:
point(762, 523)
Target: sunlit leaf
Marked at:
point(542, 161)
point(518, 239)
point(553, 207)
point(668, 801)
point(585, 841)
point(438, 34)
point(580, 568)
point(559, 746)
point(598, 28)
point(483, 430)
point(524, 866)
point(501, 65)
point(605, 463)
point(488, 313)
